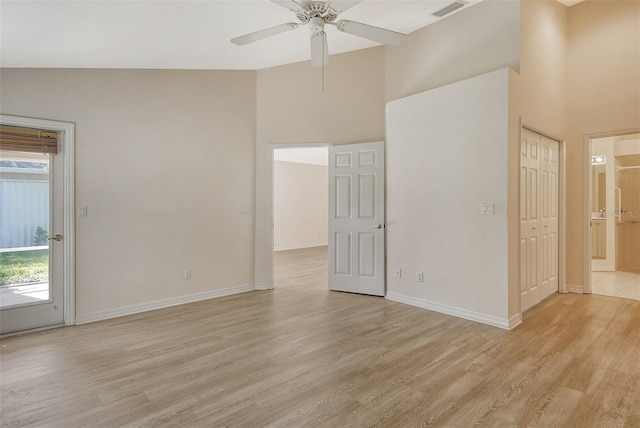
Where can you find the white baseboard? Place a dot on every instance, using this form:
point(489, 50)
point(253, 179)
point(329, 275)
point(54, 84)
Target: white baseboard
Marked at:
point(603, 268)
point(300, 246)
point(515, 321)
point(571, 288)
point(491, 320)
point(263, 286)
point(164, 303)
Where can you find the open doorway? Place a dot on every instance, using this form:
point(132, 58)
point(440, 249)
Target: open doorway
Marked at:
point(300, 218)
point(615, 216)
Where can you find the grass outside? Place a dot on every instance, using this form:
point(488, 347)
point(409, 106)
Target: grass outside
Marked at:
point(19, 267)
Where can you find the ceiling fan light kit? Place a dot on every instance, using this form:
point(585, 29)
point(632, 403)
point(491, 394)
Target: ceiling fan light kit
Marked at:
point(317, 14)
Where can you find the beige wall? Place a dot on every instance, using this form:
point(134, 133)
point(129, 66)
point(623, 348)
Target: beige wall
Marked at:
point(482, 38)
point(543, 65)
point(300, 205)
point(538, 100)
point(603, 88)
point(627, 151)
point(580, 75)
point(164, 163)
point(293, 109)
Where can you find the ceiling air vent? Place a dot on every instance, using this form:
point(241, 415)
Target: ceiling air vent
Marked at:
point(448, 9)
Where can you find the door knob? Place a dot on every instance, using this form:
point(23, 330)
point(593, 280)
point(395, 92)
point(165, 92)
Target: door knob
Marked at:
point(377, 226)
point(58, 237)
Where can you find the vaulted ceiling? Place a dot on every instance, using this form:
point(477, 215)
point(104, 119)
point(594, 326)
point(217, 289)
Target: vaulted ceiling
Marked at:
point(180, 34)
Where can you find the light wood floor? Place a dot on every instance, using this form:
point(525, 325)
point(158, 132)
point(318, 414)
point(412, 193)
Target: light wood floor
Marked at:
point(302, 356)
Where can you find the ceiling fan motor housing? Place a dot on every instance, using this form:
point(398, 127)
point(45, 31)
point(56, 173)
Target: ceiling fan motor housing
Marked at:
point(316, 9)
point(316, 25)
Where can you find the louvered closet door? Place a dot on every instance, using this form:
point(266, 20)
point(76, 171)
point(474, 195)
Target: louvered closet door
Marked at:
point(538, 218)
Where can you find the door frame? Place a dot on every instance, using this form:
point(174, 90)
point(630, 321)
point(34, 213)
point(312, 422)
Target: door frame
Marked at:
point(67, 140)
point(562, 283)
point(270, 206)
point(586, 208)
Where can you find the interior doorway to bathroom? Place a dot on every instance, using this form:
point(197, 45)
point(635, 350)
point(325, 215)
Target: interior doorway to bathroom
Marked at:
point(615, 216)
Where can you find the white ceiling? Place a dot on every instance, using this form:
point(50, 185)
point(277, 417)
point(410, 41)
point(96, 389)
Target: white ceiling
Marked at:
point(179, 34)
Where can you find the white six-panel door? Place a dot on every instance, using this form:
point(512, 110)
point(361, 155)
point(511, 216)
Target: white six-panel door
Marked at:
point(356, 218)
point(538, 217)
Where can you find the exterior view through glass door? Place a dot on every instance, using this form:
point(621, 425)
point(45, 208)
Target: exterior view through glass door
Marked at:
point(31, 252)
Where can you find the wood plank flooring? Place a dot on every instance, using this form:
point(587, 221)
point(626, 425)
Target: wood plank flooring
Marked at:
point(303, 356)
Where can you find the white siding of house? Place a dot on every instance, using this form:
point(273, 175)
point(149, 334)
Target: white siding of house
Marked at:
point(24, 205)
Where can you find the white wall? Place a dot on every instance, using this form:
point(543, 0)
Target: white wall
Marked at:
point(482, 38)
point(447, 152)
point(165, 164)
point(306, 155)
point(300, 198)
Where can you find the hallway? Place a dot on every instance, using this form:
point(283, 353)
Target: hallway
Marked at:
point(616, 284)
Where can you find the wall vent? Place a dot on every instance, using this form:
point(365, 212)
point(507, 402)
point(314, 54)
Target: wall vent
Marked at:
point(448, 9)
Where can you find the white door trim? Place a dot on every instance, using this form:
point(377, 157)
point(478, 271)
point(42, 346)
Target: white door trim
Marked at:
point(270, 207)
point(562, 184)
point(586, 209)
point(67, 130)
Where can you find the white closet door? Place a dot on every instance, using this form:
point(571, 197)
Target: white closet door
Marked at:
point(549, 216)
point(538, 218)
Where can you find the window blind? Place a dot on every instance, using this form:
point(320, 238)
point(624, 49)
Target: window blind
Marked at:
point(28, 140)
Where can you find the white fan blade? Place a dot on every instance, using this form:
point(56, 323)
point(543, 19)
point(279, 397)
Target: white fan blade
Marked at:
point(290, 4)
point(377, 34)
point(263, 34)
point(319, 50)
point(342, 5)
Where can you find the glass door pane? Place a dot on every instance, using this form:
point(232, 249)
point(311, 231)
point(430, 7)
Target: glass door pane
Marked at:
point(25, 218)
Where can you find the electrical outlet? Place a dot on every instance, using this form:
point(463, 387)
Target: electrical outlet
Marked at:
point(419, 277)
point(486, 209)
point(187, 274)
point(398, 273)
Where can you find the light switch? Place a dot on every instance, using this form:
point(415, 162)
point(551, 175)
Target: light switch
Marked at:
point(486, 209)
point(82, 211)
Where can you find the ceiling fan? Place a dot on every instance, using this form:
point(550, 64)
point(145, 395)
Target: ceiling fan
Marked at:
point(317, 14)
